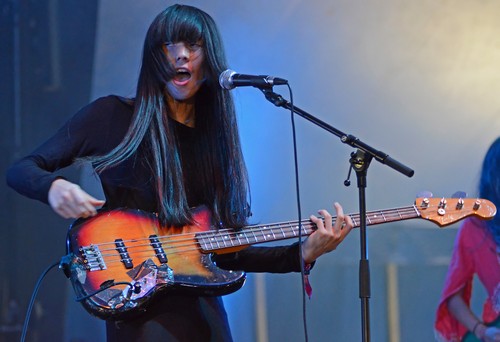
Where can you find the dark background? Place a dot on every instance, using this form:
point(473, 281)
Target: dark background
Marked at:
point(417, 79)
point(46, 56)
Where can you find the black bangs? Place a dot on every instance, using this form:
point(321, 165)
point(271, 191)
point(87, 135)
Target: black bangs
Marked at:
point(183, 24)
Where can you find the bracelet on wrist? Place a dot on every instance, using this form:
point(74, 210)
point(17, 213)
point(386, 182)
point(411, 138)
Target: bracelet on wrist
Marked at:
point(307, 268)
point(478, 324)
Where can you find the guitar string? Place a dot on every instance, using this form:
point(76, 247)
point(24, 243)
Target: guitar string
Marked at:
point(388, 215)
point(288, 226)
point(220, 236)
point(374, 215)
point(175, 245)
point(171, 245)
point(184, 245)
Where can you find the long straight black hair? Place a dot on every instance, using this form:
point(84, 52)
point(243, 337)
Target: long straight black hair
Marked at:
point(151, 135)
point(489, 185)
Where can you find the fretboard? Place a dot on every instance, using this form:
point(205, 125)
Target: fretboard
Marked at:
point(221, 239)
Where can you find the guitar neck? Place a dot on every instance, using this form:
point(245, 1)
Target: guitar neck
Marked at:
point(228, 240)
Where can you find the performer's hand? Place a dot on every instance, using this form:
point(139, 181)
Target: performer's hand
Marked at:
point(70, 201)
point(327, 237)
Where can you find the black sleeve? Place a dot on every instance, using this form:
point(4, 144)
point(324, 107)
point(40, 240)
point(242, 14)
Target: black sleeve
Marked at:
point(83, 135)
point(279, 259)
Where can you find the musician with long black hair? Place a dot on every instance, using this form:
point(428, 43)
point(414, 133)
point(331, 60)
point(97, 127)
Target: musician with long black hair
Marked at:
point(172, 147)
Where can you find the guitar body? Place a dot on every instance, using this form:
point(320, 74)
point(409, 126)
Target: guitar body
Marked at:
point(125, 257)
point(470, 337)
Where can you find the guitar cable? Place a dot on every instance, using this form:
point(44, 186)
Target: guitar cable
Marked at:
point(32, 300)
point(299, 213)
point(136, 288)
point(278, 101)
point(65, 266)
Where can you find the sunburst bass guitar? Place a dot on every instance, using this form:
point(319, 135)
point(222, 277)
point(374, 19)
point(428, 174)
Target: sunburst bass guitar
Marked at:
point(120, 259)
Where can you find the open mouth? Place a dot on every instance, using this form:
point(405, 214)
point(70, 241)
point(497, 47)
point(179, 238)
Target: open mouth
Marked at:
point(182, 75)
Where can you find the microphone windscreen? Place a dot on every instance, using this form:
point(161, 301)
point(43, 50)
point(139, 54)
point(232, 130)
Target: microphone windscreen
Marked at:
point(226, 79)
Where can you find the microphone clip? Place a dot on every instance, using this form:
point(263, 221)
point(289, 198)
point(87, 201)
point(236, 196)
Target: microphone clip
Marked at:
point(272, 97)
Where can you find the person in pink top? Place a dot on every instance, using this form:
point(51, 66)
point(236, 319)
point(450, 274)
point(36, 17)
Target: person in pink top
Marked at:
point(475, 252)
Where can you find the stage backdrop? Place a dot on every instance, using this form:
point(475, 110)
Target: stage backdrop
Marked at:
point(418, 80)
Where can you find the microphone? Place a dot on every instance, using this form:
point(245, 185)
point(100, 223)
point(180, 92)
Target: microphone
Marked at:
point(229, 79)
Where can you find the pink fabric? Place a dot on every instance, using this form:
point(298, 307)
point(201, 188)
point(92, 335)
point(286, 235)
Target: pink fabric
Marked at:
point(474, 252)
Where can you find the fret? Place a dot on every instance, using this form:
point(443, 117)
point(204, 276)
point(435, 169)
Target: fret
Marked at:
point(231, 238)
point(211, 240)
point(263, 235)
point(300, 231)
point(353, 219)
point(282, 231)
point(246, 236)
point(289, 229)
point(201, 240)
point(250, 234)
point(254, 236)
point(268, 235)
point(217, 240)
point(237, 235)
point(383, 216)
point(397, 210)
point(224, 239)
point(306, 231)
point(206, 240)
point(272, 232)
point(376, 217)
point(417, 214)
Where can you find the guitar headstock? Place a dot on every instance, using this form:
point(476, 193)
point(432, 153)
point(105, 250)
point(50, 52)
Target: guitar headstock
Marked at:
point(446, 211)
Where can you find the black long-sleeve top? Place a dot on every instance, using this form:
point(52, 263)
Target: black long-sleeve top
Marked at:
point(95, 130)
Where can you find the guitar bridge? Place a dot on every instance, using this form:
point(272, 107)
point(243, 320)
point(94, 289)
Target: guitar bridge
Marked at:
point(92, 258)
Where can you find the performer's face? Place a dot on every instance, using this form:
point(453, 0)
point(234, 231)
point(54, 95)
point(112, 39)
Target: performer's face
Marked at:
point(187, 59)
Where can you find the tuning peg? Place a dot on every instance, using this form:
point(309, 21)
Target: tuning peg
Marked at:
point(425, 194)
point(477, 204)
point(425, 202)
point(459, 194)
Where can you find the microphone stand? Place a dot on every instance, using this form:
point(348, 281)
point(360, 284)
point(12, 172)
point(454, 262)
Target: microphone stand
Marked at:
point(359, 161)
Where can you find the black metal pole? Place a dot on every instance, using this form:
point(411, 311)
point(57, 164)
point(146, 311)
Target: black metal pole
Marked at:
point(359, 162)
point(348, 139)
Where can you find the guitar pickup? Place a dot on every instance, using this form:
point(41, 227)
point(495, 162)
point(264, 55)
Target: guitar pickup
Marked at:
point(122, 250)
point(157, 246)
